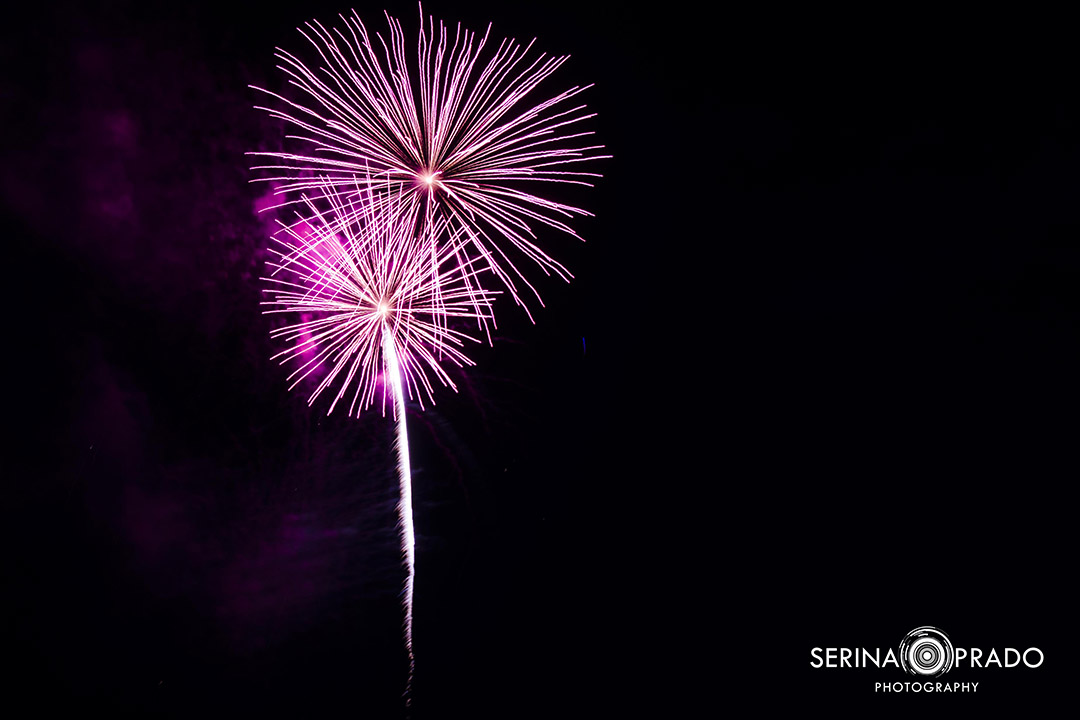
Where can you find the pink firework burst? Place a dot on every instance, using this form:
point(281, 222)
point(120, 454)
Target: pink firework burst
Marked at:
point(449, 137)
point(355, 279)
point(374, 300)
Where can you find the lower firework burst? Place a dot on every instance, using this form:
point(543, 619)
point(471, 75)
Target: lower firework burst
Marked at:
point(356, 279)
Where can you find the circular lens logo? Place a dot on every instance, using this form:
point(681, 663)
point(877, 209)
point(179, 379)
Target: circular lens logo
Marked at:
point(926, 651)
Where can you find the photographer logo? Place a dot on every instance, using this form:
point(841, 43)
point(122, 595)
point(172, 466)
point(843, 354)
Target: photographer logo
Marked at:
point(928, 654)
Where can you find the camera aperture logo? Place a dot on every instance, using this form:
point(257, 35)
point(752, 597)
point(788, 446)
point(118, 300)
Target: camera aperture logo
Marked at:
point(926, 653)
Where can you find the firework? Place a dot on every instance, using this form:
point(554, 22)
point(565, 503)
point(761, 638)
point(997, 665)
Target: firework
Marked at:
point(375, 301)
point(450, 136)
point(413, 190)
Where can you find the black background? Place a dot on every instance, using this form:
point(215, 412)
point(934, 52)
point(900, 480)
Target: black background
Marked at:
point(814, 383)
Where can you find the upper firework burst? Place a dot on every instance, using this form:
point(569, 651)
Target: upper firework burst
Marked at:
point(458, 137)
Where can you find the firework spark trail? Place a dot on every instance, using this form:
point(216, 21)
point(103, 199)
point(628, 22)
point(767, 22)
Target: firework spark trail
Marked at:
point(460, 145)
point(405, 512)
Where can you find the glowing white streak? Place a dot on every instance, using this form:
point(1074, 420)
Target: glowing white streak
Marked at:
point(405, 513)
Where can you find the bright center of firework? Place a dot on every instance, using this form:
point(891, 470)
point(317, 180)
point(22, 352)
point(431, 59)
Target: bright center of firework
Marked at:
point(383, 309)
point(428, 178)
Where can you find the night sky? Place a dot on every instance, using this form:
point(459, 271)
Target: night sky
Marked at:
point(814, 383)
